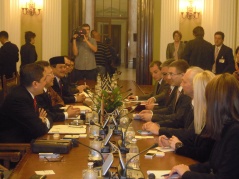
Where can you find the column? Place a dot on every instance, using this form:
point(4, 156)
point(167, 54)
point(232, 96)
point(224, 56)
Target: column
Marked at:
point(51, 29)
point(169, 23)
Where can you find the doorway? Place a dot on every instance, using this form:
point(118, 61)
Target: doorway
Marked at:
point(116, 30)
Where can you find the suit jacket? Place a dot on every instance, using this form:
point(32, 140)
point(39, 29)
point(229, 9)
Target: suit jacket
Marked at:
point(65, 94)
point(225, 60)
point(199, 52)
point(224, 158)
point(196, 147)
point(159, 94)
point(44, 101)
point(8, 59)
point(71, 86)
point(20, 122)
point(175, 110)
point(28, 54)
point(170, 50)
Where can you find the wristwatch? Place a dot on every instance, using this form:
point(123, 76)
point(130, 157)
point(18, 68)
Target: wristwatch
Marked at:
point(178, 145)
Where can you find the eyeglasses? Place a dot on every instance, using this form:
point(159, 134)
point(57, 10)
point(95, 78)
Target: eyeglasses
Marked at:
point(173, 74)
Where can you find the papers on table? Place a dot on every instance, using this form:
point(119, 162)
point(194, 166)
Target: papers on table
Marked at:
point(82, 108)
point(165, 149)
point(45, 172)
point(158, 174)
point(143, 137)
point(68, 129)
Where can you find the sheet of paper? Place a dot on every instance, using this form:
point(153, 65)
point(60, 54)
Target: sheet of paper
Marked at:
point(45, 172)
point(68, 129)
point(165, 149)
point(143, 137)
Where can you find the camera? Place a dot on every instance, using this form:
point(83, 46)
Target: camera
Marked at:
point(80, 32)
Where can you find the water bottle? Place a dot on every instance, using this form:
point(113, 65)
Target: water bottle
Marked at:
point(133, 150)
point(90, 173)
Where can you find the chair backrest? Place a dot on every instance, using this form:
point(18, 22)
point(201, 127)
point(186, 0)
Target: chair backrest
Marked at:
point(8, 84)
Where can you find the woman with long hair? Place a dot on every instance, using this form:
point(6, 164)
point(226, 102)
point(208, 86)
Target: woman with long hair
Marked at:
point(222, 125)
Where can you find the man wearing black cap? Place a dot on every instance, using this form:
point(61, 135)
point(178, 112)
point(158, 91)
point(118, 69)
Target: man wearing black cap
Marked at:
point(59, 71)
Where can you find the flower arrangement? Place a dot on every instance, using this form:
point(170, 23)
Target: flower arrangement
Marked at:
point(111, 99)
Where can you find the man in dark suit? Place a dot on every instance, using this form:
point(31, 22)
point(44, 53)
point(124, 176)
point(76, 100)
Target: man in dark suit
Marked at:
point(28, 51)
point(44, 99)
point(59, 85)
point(223, 56)
point(160, 88)
point(8, 56)
point(199, 52)
point(181, 102)
point(21, 119)
point(183, 124)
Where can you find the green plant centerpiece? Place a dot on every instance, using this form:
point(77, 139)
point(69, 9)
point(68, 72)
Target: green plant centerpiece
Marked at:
point(112, 99)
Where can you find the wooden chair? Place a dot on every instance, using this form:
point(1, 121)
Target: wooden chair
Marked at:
point(12, 152)
point(1, 91)
point(8, 84)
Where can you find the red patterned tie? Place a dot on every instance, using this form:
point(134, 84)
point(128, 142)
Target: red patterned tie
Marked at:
point(35, 104)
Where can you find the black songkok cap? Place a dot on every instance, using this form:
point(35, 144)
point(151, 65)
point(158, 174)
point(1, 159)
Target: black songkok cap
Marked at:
point(57, 60)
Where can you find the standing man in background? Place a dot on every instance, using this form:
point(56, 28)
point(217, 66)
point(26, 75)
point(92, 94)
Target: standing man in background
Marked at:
point(8, 56)
point(28, 51)
point(199, 52)
point(223, 56)
point(102, 56)
point(84, 48)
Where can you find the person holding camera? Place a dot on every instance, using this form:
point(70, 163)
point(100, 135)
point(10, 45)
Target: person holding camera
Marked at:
point(84, 48)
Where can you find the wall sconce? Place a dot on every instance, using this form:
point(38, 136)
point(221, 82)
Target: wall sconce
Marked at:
point(191, 12)
point(30, 9)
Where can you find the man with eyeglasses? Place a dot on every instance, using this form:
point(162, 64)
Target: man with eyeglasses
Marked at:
point(44, 100)
point(179, 105)
point(59, 70)
point(160, 88)
point(73, 87)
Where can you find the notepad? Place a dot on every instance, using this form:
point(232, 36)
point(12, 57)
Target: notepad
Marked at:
point(68, 129)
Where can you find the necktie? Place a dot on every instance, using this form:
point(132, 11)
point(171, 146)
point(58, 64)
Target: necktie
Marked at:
point(35, 104)
point(215, 58)
point(158, 86)
point(60, 86)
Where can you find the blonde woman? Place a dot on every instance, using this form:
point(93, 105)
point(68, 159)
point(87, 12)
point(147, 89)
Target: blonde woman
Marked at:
point(194, 146)
point(222, 125)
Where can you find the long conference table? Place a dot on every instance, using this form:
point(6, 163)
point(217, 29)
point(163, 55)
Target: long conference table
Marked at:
point(73, 163)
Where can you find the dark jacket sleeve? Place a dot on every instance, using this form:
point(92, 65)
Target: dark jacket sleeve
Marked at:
point(182, 106)
point(197, 148)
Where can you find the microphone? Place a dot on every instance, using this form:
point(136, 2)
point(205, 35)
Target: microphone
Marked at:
point(151, 176)
point(98, 163)
point(124, 172)
point(127, 96)
point(93, 123)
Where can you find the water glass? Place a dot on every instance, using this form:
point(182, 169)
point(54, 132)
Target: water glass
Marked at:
point(94, 131)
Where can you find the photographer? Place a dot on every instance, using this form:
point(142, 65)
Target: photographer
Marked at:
point(84, 49)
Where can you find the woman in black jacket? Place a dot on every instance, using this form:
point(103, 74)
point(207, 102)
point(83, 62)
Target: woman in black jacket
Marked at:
point(222, 125)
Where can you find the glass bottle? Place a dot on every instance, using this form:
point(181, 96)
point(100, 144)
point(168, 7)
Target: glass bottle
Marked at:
point(133, 150)
point(89, 173)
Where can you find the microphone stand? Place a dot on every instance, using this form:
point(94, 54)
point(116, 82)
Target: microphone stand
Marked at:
point(135, 172)
point(98, 162)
